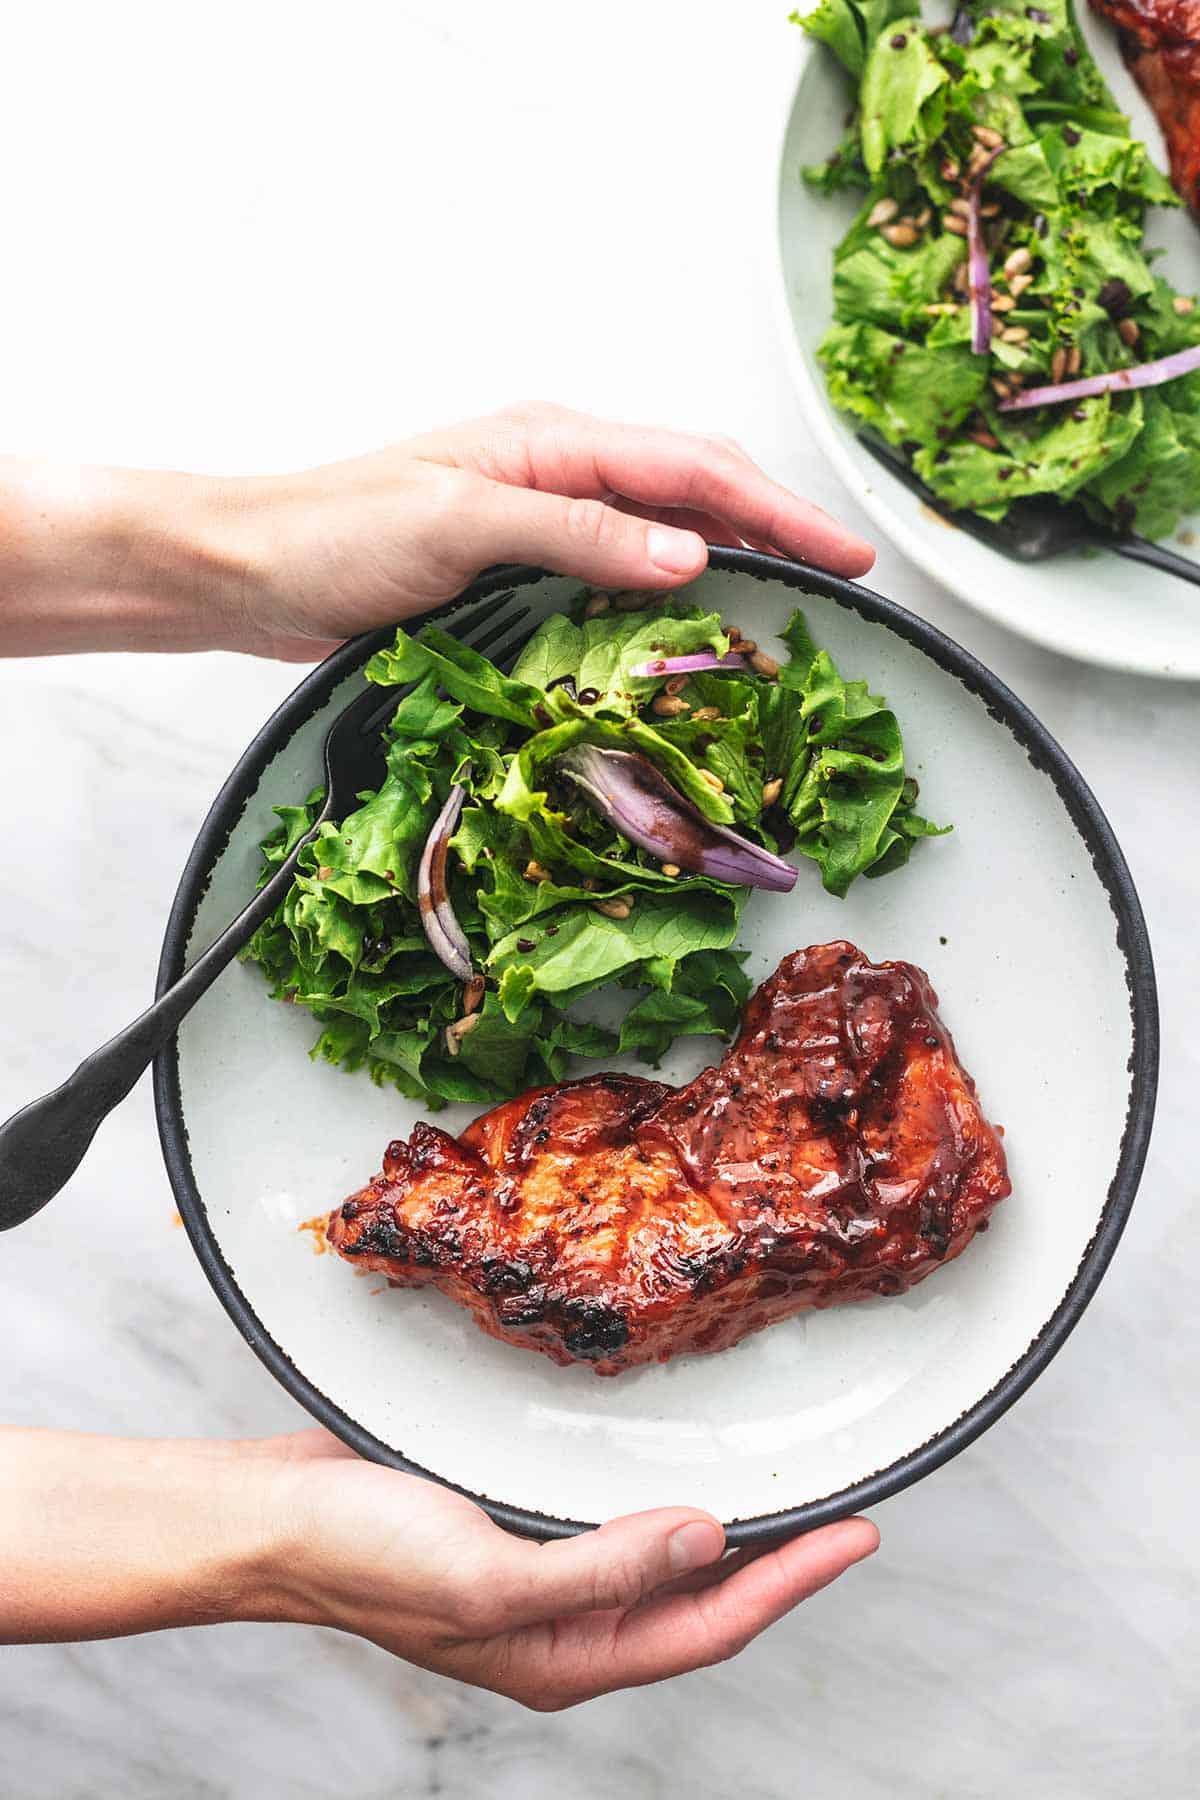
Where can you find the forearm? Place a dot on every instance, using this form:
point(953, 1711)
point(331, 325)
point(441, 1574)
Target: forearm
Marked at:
point(117, 559)
point(104, 1536)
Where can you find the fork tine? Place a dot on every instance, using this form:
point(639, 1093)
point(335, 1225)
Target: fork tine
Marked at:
point(499, 627)
point(506, 656)
point(371, 718)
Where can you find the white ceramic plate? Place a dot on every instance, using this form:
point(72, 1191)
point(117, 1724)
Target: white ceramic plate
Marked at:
point(1104, 609)
point(1027, 921)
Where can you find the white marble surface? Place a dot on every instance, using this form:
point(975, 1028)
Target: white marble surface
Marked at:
point(246, 236)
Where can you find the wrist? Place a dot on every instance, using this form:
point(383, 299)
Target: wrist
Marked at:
point(266, 1570)
point(121, 559)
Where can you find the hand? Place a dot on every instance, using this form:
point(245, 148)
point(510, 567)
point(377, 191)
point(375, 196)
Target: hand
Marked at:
point(358, 544)
point(140, 1535)
point(289, 566)
point(424, 1572)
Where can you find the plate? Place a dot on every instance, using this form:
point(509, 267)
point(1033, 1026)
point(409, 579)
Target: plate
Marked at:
point(1101, 609)
point(1026, 919)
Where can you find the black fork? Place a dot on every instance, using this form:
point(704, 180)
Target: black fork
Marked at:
point(1036, 529)
point(42, 1145)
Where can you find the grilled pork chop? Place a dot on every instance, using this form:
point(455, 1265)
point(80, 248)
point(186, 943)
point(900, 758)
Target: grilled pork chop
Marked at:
point(837, 1152)
point(1160, 41)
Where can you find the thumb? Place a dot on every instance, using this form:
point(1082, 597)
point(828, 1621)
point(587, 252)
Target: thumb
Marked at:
point(614, 1567)
point(585, 538)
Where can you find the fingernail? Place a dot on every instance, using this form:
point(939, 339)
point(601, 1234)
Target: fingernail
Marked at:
point(694, 1545)
point(675, 552)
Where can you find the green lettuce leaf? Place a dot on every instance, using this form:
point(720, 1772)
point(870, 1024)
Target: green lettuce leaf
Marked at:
point(906, 391)
point(851, 805)
point(1071, 190)
point(462, 672)
point(850, 27)
point(901, 86)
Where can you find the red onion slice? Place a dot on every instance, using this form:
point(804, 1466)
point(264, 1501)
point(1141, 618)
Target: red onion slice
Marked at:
point(1116, 381)
point(640, 803)
point(688, 665)
point(977, 262)
point(446, 937)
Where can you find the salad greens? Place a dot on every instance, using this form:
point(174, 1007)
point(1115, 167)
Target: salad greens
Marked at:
point(1073, 291)
point(555, 904)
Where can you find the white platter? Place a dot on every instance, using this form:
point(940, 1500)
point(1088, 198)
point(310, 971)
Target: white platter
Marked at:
point(1100, 608)
point(1029, 926)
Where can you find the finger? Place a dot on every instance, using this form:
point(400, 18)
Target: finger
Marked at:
point(713, 531)
point(587, 458)
point(729, 1565)
point(579, 537)
point(613, 1568)
point(728, 443)
point(679, 1632)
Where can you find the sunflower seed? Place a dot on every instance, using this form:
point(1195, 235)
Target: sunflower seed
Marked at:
point(457, 1032)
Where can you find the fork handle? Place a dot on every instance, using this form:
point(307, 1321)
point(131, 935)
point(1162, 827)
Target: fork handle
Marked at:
point(1141, 550)
point(42, 1145)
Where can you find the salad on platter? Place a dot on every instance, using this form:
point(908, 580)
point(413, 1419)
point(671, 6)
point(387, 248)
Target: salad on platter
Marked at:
point(997, 313)
point(591, 821)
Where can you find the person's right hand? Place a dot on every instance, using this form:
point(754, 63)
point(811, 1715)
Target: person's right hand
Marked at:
point(424, 1572)
point(137, 1535)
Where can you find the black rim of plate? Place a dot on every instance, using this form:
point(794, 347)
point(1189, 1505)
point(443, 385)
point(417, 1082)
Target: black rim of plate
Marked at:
point(1111, 869)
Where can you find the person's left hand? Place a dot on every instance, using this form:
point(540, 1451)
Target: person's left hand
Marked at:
point(289, 566)
point(337, 550)
point(422, 1571)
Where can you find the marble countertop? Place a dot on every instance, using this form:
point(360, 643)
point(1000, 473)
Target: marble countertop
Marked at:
point(254, 237)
